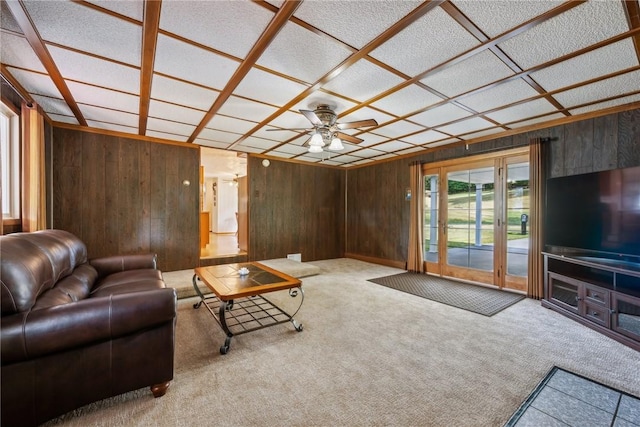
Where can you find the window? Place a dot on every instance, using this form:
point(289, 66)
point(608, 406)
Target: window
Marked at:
point(10, 155)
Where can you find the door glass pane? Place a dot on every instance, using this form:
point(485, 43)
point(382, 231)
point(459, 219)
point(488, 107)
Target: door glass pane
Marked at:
point(518, 219)
point(430, 230)
point(470, 216)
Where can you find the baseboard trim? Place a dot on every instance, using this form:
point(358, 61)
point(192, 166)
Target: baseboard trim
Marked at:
point(381, 261)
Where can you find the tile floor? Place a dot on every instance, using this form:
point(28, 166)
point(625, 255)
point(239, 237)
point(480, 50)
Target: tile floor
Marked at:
point(566, 399)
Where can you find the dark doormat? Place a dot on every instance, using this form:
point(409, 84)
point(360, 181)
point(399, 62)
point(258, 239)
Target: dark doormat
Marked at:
point(473, 298)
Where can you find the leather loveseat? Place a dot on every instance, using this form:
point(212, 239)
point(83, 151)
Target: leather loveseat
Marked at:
point(74, 331)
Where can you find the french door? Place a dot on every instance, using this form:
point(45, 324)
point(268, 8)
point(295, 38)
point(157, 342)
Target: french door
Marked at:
point(476, 217)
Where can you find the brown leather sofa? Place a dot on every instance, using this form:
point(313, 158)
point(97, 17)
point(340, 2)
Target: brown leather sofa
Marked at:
point(74, 331)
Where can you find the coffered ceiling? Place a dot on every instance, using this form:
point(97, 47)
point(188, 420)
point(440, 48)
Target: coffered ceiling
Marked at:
point(222, 74)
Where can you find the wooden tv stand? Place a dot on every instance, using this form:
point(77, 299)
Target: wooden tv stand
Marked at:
point(600, 293)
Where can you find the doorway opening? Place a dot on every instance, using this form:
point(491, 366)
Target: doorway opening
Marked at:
point(222, 229)
point(475, 219)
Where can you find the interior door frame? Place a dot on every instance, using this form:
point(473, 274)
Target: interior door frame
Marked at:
point(498, 160)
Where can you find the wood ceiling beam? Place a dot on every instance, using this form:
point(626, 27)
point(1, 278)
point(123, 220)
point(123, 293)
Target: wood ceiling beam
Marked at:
point(632, 11)
point(277, 23)
point(37, 44)
point(150, 27)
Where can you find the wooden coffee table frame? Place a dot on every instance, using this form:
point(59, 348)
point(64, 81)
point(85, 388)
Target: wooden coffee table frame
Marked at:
point(238, 305)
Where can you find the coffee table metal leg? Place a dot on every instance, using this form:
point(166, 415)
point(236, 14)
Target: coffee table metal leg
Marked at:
point(197, 289)
point(224, 307)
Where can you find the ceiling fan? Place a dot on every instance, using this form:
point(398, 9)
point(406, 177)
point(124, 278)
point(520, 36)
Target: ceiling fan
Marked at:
point(326, 130)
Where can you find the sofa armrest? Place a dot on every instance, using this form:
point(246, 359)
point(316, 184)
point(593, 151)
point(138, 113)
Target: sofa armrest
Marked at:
point(116, 263)
point(36, 333)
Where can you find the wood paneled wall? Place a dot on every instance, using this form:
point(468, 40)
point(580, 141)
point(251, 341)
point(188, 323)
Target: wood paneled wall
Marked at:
point(378, 215)
point(295, 208)
point(122, 196)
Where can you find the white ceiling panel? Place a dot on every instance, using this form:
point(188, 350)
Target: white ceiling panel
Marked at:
point(261, 143)
point(106, 98)
point(176, 113)
point(204, 67)
point(63, 119)
point(166, 135)
point(606, 60)
point(522, 111)
point(607, 104)
point(433, 39)
point(582, 26)
point(620, 85)
point(212, 144)
point(543, 119)
point(276, 135)
point(88, 69)
point(291, 149)
point(219, 136)
point(53, 105)
point(15, 50)
point(477, 71)
point(92, 31)
point(442, 114)
point(424, 137)
point(321, 97)
point(503, 94)
point(303, 54)
point(228, 26)
point(267, 87)
point(363, 81)
point(112, 127)
point(399, 128)
point(368, 152)
point(511, 13)
point(99, 114)
point(410, 151)
point(7, 21)
point(354, 22)
point(371, 139)
point(366, 114)
point(291, 120)
point(465, 126)
point(230, 124)
point(247, 149)
point(480, 134)
point(385, 156)
point(358, 163)
point(36, 83)
point(281, 154)
point(344, 158)
point(392, 146)
point(246, 109)
point(178, 92)
point(411, 98)
point(132, 9)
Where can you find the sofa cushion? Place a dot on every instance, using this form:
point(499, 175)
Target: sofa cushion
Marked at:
point(128, 281)
point(74, 287)
point(33, 262)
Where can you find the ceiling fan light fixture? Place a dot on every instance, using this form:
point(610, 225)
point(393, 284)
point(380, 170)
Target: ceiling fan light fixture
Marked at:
point(315, 149)
point(316, 140)
point(336, 144)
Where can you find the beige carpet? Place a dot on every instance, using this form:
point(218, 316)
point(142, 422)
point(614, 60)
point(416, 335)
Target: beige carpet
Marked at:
point(368, 356)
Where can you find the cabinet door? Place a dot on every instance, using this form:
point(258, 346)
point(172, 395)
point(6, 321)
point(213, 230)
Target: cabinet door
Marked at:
point(626, 315)
point(565, 292)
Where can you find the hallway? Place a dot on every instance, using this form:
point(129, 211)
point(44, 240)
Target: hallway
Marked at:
point(221, 245)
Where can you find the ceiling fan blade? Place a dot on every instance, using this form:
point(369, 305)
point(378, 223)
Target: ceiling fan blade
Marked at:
point(312, 117)
point(348, 138)
point(357, 124)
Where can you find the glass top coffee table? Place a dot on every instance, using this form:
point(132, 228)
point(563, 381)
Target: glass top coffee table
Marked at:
point(237, 301)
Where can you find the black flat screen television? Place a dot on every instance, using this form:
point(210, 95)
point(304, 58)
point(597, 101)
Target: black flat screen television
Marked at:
point(597, 211)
